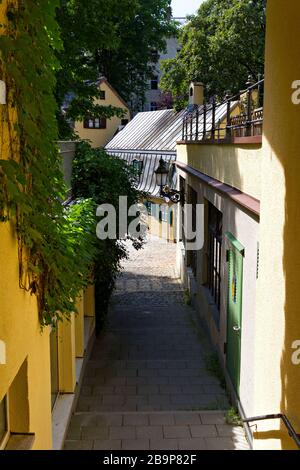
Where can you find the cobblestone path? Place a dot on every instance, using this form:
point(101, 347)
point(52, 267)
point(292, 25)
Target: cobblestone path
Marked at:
point(146, 385)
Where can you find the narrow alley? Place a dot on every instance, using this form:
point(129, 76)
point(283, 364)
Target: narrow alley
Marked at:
point(146, 385)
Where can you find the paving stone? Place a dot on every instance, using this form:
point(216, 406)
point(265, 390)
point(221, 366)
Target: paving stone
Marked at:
point(148, 389)
point(107, 444)
point(163, 444)
point(136, 420)
point(187, 418)
point(114, 399)
point(74, 432)
point(203, 430)
point(170, 389)
point(149, 432)
point(122, 432)
point(192, 444)
point(109, 419)
point(212, 418)
point(220, 443)
point(135, 444)
point(125, 389)
point(78, 445)
point(94, 432)
point(176, 432)
point(162, 419)
point(103, 390)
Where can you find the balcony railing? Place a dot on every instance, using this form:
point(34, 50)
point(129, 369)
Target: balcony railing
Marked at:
point(237, 116)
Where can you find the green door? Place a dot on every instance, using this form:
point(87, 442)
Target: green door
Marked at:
point(235, 257)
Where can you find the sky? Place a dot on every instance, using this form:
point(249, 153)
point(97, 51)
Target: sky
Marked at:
point(182, 8)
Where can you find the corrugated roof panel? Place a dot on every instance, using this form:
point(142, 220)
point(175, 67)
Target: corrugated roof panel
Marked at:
point(153, 130)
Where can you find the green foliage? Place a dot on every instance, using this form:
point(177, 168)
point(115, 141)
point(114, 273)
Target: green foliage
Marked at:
point(55, 245)
point(102, 38)
point(233, 418)
point(103, 178)
point(221, 45)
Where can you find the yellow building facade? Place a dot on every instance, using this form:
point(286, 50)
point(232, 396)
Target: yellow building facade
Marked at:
point(277, 331)
point(100, 131)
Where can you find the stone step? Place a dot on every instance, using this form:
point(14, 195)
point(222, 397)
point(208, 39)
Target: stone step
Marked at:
point(173, 430)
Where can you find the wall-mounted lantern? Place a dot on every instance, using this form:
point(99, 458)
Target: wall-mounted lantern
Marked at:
point(2, 92)
point(162, 176)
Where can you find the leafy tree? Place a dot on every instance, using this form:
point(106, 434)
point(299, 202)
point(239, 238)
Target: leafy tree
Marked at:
point(221, 45)
point(100, 37)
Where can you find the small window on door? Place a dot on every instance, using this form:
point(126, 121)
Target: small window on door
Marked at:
point(4, 423)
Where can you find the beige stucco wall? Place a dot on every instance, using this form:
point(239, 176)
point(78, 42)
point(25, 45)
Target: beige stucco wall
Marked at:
point(100, 137)
point(245, 228)
point(236, 165)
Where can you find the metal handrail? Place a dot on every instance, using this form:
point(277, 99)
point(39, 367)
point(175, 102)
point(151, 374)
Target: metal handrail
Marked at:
point(191, 119)
point(292, 433)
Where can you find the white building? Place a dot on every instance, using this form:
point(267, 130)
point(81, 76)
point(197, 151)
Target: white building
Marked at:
point(154, 95)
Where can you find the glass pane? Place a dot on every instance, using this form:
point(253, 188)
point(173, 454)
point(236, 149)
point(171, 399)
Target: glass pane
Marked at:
point(3, 419)
point(97, 123)
point(91, 123)
point(54, 366)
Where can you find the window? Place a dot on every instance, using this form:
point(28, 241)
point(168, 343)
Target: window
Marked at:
point(191, 91)
point(214, 252)
point(95, 123)
point(153, 106)
point(124, 122)
point(154, 83)
point(163, 212)
point(102, 95)
point(182, 191)
point(137, 166)
point(54, 365)
point(192, 254)
point(148, 207)
point(154, 210)
point(4, 427)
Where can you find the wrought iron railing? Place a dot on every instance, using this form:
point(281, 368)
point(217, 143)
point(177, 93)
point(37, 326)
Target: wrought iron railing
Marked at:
point(292, 433)
point(237, 116)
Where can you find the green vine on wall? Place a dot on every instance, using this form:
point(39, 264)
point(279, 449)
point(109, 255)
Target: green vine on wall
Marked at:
point(55, 249)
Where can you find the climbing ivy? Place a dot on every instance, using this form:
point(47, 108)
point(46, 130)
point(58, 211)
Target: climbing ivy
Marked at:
point(56, 247)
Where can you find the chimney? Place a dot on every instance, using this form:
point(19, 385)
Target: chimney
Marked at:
point(196, 94)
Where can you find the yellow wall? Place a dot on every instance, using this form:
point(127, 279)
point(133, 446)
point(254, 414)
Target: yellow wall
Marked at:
point(236, 165)
point(100, 137)
point(277, 381)
point(162, 229)
point(20, 330)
